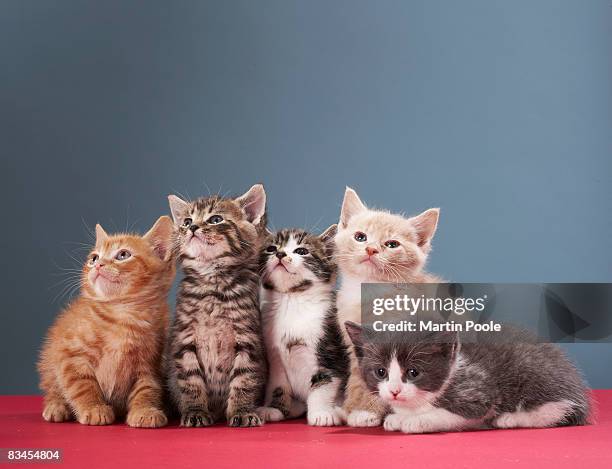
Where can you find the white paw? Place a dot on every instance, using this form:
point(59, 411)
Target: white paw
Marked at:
point(363, 418)
point(506, 420)
point(393, 422)
point(324, 418)
point(270, 414)
point(414, 425)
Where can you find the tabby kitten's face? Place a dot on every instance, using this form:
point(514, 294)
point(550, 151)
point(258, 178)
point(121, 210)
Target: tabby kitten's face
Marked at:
point(405, 373)
point(294, 260)
point(125, 265)
point(378, 246)
point(218, 230)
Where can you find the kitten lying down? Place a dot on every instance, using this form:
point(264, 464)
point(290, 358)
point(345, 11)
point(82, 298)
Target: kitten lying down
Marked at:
point(434, 383)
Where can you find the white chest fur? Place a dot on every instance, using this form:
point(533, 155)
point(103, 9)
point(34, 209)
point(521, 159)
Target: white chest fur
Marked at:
point(293, 326)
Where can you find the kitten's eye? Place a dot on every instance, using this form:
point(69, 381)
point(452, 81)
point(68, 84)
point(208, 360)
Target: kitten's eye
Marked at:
point(413, 373)
point(123, 255)
point(301, 251)
point(93, 259)
point(392, 244)
point(381, 373)
point(215, 220)
point(361, 237)
point(187, 222)
point(271, 248)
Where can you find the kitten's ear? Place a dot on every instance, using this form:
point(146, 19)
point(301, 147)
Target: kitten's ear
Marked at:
point(328, 239)
point(101, 235)
point(160, 237)
point(355, 332)
point(254, 203)
point(426, 224)
point(351, 205)
point(329, 234)
point(178, 207)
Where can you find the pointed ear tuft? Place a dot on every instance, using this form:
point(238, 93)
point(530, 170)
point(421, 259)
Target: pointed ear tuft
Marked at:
point(426, 224)
point(178, 207)
point(355, 332)
point(253, 202)
point(351, 205)
point(101, 235)
point(329, 234)
point(328, 239)
point(160, 237)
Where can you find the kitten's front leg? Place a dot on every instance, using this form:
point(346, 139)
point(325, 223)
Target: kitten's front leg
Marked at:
point(321, 401)
point(278, 391)
point(189, 385)
point(83, 393)
point(436, 420)
point(245, 389)
point(363, 408)
point(144, 403)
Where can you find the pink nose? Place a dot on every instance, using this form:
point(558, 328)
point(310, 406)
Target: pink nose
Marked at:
point(371, 251)
point(395, 393)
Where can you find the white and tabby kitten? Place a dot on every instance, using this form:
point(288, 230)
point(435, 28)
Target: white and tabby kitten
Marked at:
point(434, 383)
point(308, 360)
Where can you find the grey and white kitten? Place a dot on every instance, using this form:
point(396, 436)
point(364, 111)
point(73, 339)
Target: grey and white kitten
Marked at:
point(216, 360)
point(308, 359)
point(436, 384)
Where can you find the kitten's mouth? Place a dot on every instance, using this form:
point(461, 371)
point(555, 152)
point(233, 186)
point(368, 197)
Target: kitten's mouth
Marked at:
point(280, 264)
point(99, 274)
point(205, 241)
point(369, 260)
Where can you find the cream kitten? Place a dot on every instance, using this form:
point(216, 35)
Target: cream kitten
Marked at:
point(375, 246)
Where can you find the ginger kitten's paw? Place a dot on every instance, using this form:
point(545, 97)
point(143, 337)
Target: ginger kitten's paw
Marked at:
point(196, 418)
point(270, 414)
point(247, 419)
point(363, 418)
point(324, 418)
point(393, 422)
point(97, 415)
point(146, 418)
point(56, 412)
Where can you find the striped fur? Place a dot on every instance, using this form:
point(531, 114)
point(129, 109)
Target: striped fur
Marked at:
point(216, 357)
point(102, 357)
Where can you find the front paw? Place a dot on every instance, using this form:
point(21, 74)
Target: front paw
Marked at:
point(146, 418)
point(363, 418)
point(415, 425)
point(324, 418)
point(97, 415)
point(56, 412)
point(196, 418)
point(270, 414)
point(246, 419)
point(393, 422)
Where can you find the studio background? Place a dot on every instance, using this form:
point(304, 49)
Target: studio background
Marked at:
point(498, 112)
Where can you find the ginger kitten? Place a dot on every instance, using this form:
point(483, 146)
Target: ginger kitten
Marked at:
point(217, 362)
point(375, 246)
point(102, 356)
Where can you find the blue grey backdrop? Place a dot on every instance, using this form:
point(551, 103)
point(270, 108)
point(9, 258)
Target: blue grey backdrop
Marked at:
point(499, 112)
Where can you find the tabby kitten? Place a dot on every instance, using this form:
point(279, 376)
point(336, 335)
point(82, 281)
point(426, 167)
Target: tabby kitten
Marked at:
point(217, 359)
point(375, 246)
point(434, 383)
point(101, 358)
point(308, 359)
